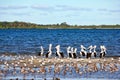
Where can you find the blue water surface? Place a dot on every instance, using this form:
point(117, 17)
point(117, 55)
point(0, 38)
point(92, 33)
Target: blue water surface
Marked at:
point(29, 40)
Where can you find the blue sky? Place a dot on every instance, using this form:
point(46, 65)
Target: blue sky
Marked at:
point(74, 12)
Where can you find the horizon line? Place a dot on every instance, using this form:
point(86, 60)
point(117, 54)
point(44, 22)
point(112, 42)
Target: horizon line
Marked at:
point(61, 23)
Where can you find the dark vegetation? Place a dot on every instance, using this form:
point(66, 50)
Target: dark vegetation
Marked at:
point(64, 25)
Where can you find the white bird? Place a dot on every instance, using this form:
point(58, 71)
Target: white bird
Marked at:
point(103, 51)
point(90, 51)
point(48, 55)
point(75, 53)
point(83, 52)
point(72, 52)
point(90, 48)
point(94, 53)
point(42, 51)
point(69, 52)
point(58, 52)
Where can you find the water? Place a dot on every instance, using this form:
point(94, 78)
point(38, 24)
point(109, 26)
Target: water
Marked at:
point(29, 40)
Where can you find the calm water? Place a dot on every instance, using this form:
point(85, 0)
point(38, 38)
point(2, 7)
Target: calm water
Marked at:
point(29, 40)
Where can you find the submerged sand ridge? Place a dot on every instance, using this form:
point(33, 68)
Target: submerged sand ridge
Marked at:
point(38, 61)
point(27, 64)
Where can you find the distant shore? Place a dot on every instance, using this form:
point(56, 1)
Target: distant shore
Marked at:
point(64, 25)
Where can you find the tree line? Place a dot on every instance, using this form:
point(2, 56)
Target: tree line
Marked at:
point(63, 25)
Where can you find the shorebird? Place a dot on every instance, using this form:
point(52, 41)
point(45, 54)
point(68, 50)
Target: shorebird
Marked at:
point(58, 52)
point(83, 52)
point(48, 55)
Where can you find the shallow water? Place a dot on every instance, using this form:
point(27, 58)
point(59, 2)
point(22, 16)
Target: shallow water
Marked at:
point(100, 74)
point(28, 41)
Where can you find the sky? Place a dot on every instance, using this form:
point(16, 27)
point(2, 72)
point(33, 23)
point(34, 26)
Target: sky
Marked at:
point(73, 12)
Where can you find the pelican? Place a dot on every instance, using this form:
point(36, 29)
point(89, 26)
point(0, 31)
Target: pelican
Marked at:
point(103, 51)
point(69, 52)
point(42, 51)
point(90, 52)
point(60, 54)
point(83, 52)
point(94, 53)
point(74, 53)
point(48, 55)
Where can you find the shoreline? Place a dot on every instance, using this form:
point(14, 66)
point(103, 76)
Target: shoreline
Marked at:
point(63, 28)
point(55, 60)
point(64, 25)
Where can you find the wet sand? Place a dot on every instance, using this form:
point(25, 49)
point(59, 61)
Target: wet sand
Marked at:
point(38, 61)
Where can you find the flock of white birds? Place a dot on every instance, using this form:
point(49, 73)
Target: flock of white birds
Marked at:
point(72, 52)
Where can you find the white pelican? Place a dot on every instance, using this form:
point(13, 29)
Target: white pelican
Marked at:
point(75, 53)
point(60, 54)
point(72, 52)
point(90, 52)
point(94, 53)
point(69, 52)
point(83, 52)
point(103, 51)
point(42, 51)
point(48, 55)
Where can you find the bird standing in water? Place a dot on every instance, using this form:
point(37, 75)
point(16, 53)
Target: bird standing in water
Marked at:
point(42, 51)
point(58, 52)
point(48, 55)
point(94, 53)
point(103, 51)
point(83, 52)
point(90, 52)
